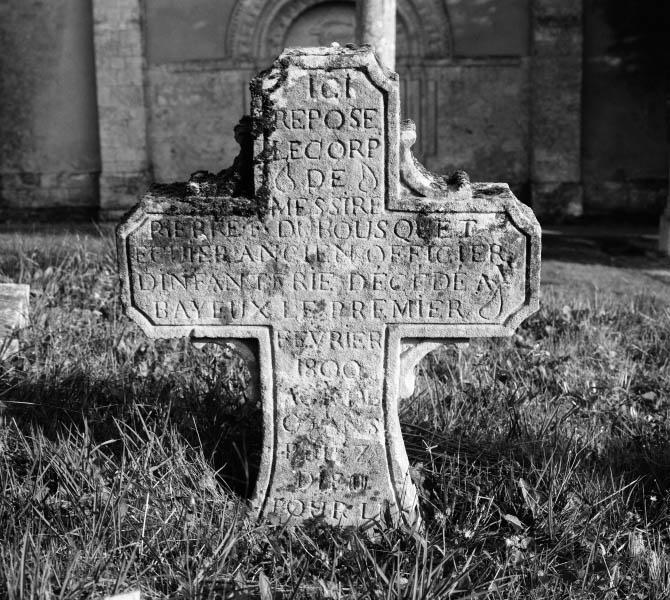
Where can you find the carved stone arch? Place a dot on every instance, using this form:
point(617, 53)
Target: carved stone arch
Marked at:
point(258, 28)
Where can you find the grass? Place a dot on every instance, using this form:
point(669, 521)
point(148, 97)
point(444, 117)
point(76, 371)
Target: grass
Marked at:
point(543, 460)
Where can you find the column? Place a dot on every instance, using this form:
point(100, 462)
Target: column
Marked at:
point(375, 21)
point(122, 114)
point(556, 108)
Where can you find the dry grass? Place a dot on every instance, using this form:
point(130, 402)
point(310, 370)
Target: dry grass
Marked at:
point(543, 460)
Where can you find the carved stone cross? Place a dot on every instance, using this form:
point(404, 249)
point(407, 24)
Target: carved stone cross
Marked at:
point(329, 245)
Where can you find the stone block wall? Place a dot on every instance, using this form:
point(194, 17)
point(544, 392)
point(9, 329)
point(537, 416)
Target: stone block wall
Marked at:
point(49, 159)
point(193, 110)
point(482, 121)
point(625, 147)
point(41, 195)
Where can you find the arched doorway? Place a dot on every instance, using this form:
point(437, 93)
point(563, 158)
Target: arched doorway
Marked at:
point(260, 29)
point(194, 103)
point(322, 25)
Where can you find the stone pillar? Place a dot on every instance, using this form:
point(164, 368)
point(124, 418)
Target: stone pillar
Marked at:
point(375, 22)
point(122, 114)
point(556, 108)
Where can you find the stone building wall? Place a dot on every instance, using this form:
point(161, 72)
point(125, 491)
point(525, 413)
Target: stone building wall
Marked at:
point(545, 94)
point(625, 157)
point(49, 157)
point(464, 78)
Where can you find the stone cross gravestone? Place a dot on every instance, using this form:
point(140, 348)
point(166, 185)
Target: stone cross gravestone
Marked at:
point(331, 247)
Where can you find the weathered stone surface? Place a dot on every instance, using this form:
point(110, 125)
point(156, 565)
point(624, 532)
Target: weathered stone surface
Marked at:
point(14, 306)
point(338, 253)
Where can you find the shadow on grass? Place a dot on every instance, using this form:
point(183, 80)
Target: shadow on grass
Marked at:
point(229, 436)
point(618, 249)
point(225, 428)
point(632, 459)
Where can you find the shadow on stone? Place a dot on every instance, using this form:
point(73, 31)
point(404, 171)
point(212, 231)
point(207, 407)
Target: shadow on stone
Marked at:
point(231, 418)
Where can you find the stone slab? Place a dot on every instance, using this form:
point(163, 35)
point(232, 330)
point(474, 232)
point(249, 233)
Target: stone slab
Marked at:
point(14, 311)
point(332, 248)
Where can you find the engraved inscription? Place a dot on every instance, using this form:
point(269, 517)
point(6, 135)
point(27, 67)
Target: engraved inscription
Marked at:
point(468, 269)
point(335, 511)
point(329, 140)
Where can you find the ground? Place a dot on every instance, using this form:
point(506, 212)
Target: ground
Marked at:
point(543, 460)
